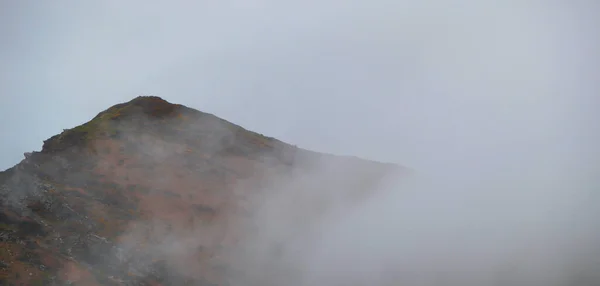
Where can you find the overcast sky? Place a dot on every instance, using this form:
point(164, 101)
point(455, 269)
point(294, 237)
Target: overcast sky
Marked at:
point(434, 85)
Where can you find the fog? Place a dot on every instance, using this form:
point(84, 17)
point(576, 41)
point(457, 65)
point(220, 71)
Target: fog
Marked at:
point(491, 103)
point(538, 227)
point(494, 230)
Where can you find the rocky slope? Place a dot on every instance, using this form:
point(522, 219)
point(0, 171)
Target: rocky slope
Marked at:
point(154, 193)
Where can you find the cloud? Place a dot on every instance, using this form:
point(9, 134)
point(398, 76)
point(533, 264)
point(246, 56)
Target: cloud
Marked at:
point(494, 101)
point(493, 230)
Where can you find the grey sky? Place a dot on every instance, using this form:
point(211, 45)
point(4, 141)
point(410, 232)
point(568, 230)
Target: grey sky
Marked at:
point(435, 85)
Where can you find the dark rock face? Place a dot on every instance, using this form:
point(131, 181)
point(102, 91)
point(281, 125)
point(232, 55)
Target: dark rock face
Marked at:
point(102, 203)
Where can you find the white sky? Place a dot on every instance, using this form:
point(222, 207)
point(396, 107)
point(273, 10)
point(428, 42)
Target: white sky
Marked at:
point(482, 86)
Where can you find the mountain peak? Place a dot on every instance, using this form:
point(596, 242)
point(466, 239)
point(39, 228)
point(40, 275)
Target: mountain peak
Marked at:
point(105, 123)
point(153, 106)
point(154, 193)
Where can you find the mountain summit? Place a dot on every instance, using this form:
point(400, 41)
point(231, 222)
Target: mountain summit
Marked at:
point(154, 193)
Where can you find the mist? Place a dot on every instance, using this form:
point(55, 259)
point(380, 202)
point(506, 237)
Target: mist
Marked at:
point(492, 104)
point(330, 221)
point(530, 229)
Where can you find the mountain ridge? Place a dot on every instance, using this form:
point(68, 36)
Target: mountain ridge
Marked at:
point(102, 203)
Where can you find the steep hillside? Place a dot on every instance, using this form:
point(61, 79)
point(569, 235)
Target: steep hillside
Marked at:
point(154, 193)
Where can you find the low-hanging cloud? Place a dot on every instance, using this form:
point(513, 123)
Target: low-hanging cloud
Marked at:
point(494, 100)
point(494, 230)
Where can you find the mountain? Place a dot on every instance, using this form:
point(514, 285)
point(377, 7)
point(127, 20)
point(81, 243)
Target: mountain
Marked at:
point(154, 193)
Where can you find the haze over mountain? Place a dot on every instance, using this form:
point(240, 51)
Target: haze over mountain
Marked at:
point(154, 193)
point(492, 103)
